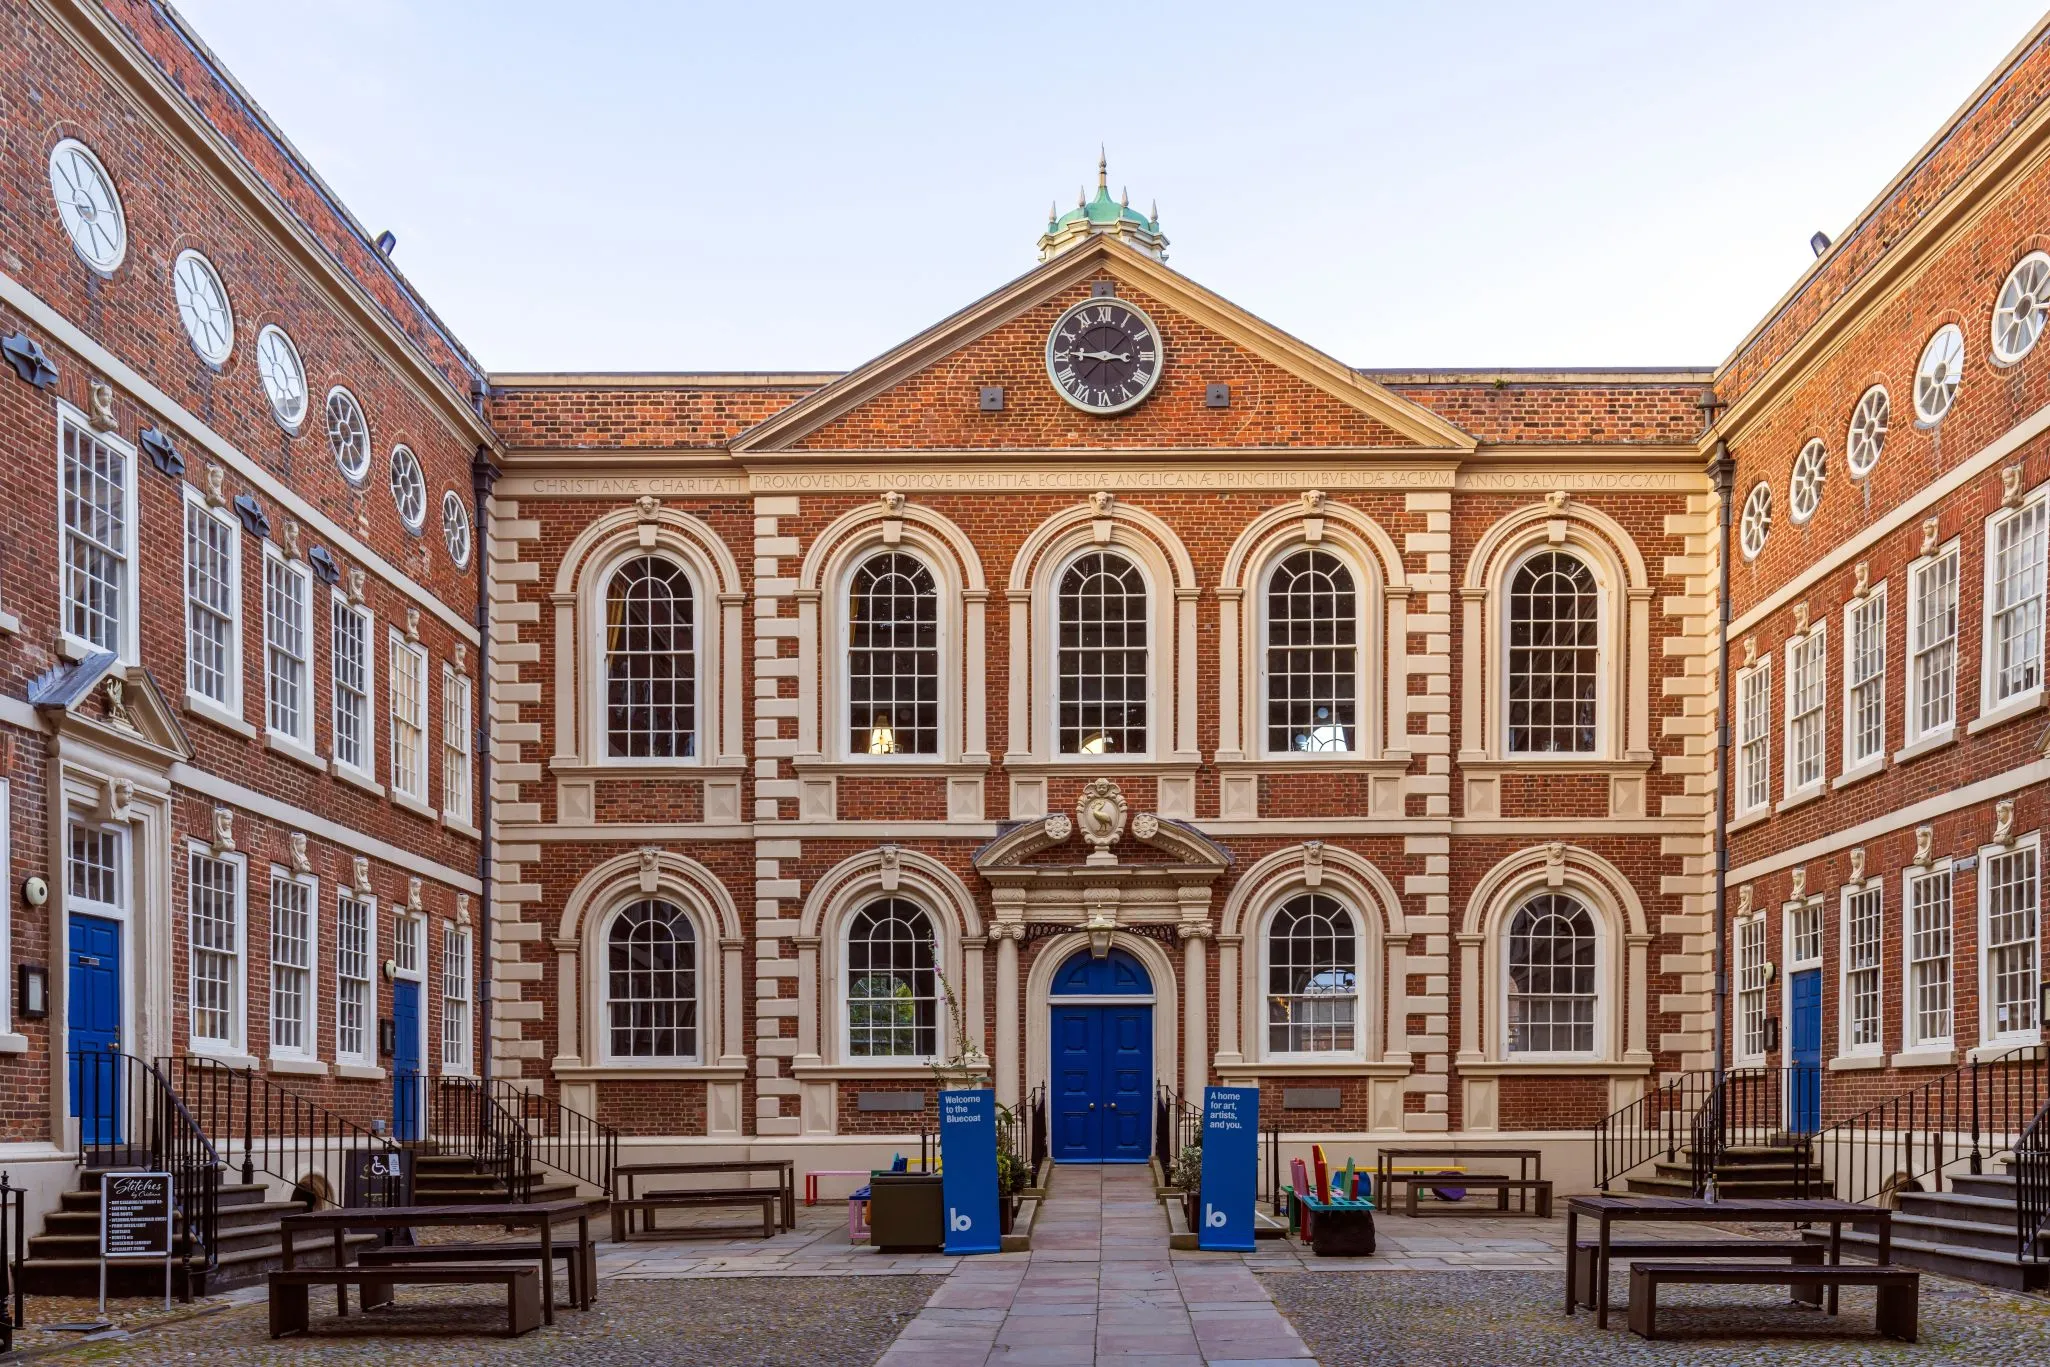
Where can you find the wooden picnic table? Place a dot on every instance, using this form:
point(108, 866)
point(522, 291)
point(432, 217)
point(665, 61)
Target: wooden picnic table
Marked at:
point(785, 1168)
point(1609, 1210)
point(1530, 1175)
point(541, 1216)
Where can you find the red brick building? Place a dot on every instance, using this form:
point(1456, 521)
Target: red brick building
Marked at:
point(1100, 689)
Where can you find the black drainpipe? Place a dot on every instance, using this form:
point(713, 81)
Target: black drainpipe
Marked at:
point(483, 474)
point(1722, 471)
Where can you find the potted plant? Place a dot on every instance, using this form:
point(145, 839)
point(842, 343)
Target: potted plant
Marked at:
point(1188, 1178)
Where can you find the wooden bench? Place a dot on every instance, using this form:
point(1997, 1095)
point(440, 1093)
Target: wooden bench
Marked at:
point(581, 1260)
point(768, 1199)
point(289, 1313)
point(1415, 1182)
point(1586, 1251)
point(1899, 1288)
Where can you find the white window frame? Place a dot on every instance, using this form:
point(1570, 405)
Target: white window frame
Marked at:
point(1751, 955)
point(843, 1008)
point(339, 603)
point(1913, 733)
point(602, 988)
point(1874, 602)
point(457, 727)
point(1846, 1046)
point(1362, 1018)
point(947, 667)
point(229, 708)
point(1989, 1031)
point(410, 928)
point(309, 1025)
point(1912, 1041)
point(1365, 598)
point(127, 649)
point(367, 1055)
point(1809, 725)
point(1159, 628)
point(235, 1048)
point(296, 573)
point(1991, 700)
point(1607, 739)
point(408, 782)
point(1754, 740)
point(458, 1062)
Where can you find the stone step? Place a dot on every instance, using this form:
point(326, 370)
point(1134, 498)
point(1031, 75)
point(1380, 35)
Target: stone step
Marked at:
point(1951, 1260)
point(1950, 1205)
point(1986, 1234)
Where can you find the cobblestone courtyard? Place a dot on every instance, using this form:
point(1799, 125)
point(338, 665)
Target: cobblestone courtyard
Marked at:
point(1100, 1287)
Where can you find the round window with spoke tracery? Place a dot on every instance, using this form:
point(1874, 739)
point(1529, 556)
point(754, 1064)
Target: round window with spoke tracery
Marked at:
point(1937, 374)
point(1804, 490)
point(1867, 437)
point(283, 375)
point(87, 205)
point(408, 488)
point(203, 307)
point(348, 435)
point(1756, 522)
point(2018, 310)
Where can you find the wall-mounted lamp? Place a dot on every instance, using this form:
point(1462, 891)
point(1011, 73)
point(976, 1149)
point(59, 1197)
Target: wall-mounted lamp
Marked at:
point(1100, 928)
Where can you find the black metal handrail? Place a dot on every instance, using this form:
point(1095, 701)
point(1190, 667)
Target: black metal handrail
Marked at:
point(568, 1141)
point(1177, 1126)
point(1036, 1122)
point(2032, 1188)
point(463, 1120)
point(1751, 1110)
point(1969, 1114)
point(282, 1134)
point(1657, 1125)
point(129, 1116)
point(13, 1250)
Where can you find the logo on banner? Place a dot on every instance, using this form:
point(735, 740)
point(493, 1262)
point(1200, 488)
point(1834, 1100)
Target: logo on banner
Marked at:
point(958, 1222)
point(1213, 1217)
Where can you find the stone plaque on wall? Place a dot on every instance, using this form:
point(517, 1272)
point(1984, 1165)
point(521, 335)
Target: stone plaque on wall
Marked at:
point(1309, 1098)
point(894, 1101)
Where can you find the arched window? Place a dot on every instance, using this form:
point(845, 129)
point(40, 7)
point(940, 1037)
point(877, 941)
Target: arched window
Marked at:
point(893, 998)
point(1312, 978)
point(1312, 655)
point(650, 662)
point(893, 658)
point(1102, 657)
point(1551, 977)
point(651, 982)
point(1554, 656)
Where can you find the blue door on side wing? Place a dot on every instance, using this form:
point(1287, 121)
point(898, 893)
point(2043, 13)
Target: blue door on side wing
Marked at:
point(1804, 1052)
point(1101, 1060)
point(408, 1086)
point(94, 1022)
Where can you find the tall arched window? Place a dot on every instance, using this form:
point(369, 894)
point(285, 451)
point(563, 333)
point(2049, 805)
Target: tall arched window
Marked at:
point(893, 998)
point(1551, 980)
point(651, 982)
point(893, 658)
point(651, 665)
point(1312, 978)
point(1102, 657)
point(1554, 656)
point(1312, 655)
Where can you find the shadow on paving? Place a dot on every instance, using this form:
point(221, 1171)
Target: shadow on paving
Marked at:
point(1495, 1319)
point(730, 1322)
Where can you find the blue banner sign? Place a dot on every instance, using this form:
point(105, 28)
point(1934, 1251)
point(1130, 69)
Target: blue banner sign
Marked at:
point(1231, 1168)
point(968, 1170)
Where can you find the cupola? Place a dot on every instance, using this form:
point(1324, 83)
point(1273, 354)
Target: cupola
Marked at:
point(1100, 216)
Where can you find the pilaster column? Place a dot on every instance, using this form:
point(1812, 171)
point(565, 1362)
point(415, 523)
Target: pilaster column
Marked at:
point(1636, 992)
point(1195, 1011)
point(807, 997)
point(1470, 988)
point(566, 1019)
point(1230, 988)
point(1004, 1060)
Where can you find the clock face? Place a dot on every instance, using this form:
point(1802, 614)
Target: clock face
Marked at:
point(1104, 355)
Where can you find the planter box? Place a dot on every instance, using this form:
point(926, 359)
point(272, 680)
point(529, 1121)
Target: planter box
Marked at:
point(906, 1213)
point(1342, 1231)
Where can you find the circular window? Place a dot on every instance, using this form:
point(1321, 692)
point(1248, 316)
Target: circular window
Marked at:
point(203, 307)
point(348, 436)
point(455, 527)
point(2018, 312)
point(1868, 431)
point(1757, 520)
point(1804, 490)
point(87, 205)
point(283, 376)
point(408, 488)
point(1937, 373)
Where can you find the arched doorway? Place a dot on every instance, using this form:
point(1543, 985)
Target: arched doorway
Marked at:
point(1100, 1064)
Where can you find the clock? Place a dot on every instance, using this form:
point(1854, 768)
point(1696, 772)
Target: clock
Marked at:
point(1104, 355)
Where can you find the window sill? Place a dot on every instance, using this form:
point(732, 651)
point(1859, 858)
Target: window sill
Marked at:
point(1801, 799)
point(1934, 741)
point(667, 1071)
point(820, 1072)
point(414, 805)
point(461, 827)
point(11, 1043)
point(1945, 1057)
point(1871, 768)
point(355, 776)
point(1389, 762)
point(224, 1055)
point(292, 749)
point(1034, 766)
point(2032, 701)
point(892, 766)
point(1999, 1048)
point(1554, 763)
point(1751, 818)
point(1553, 1067)
point(1398, 1066)
point(362, 1072)
point(644, 768)
point(1845, 1063)
point(10, 625)
point(206, 709)
point(295, 1067)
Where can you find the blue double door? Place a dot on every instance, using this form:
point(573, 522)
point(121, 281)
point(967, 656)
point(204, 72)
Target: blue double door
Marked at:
point(1101, 1061)
point(93, 1023)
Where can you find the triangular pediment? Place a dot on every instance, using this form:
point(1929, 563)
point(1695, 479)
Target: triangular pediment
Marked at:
point(924, 393)
point(116, 706)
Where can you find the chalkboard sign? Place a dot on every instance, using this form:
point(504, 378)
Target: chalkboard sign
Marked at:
point(135, 1215)
point(378, 1177)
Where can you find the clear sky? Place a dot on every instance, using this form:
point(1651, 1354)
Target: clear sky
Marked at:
point(788, 186)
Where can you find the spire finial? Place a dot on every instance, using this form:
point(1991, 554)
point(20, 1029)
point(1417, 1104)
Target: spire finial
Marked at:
point(1155, 214)
point(1102, 169)
point(1125, 198)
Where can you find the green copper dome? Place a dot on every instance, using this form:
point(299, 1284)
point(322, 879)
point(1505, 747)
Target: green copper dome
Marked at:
point(1102, 215)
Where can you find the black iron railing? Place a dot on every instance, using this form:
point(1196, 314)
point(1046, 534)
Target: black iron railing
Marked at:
point(13, 1248)
point(1967, 1115)
point(568, 1141)
point(2032, 1188)
point(1177, 1125)
point(283, 1134)
point(457, 1117)
point(129, 1116)
point(1269, 1166)
point(1656, 1126)
point(1035, 1111)
point(1752, 1111)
